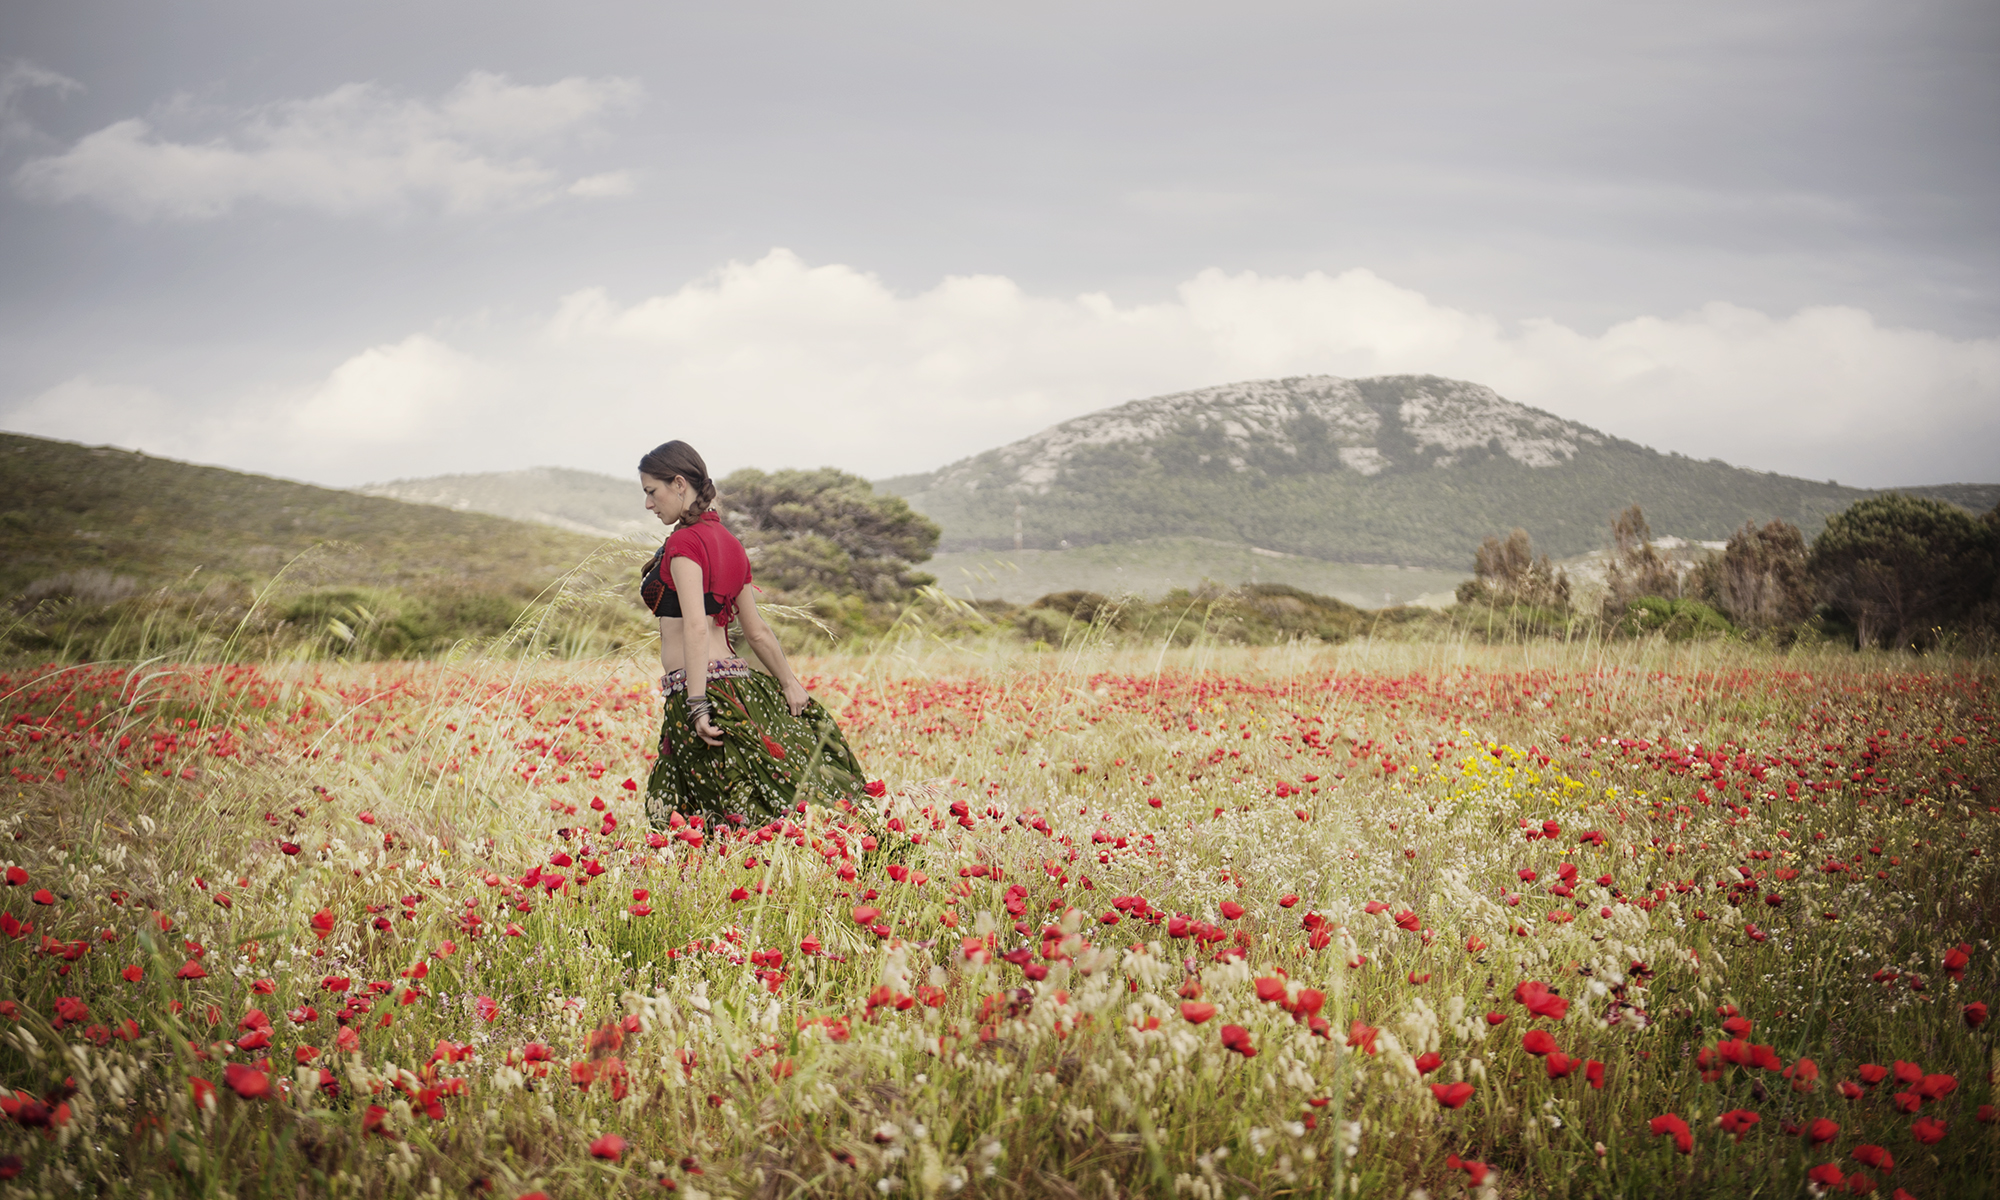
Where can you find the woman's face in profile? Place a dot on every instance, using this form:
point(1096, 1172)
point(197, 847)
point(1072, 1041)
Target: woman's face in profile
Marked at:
point(663, 498)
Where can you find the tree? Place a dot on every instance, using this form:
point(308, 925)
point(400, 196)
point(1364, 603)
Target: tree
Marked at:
point(1760, 580)
point(827, 532)
point(1510, 573)
point(1901, 568)
point(1636, 568)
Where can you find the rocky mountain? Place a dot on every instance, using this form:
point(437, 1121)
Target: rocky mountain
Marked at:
point(1410, 470)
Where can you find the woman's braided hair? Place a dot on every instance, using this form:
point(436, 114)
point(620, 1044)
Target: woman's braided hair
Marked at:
point(669, 459)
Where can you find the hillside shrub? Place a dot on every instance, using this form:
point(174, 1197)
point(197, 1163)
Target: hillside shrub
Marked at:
point(825, 532)
point(1507, 572)
point(1759, 581)
point(1636, 568)
point(1903, 570)
point(1677, 620)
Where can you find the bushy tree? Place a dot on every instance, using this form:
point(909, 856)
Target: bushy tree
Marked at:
point(1760, 579)
point(1636, 568)
point(1903, 568)
point(827, 532)
point(1509, 572)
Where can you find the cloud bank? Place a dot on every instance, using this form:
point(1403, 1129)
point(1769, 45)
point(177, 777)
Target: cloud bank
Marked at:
point(778, 362)
point(358, 149)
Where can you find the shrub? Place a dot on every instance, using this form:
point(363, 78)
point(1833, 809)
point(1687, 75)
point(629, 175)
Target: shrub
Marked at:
point(1677, 620)
point(1901, 569)
point(1760, 579)
point(1508, 572)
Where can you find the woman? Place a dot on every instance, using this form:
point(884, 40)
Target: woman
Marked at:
point(736, 744)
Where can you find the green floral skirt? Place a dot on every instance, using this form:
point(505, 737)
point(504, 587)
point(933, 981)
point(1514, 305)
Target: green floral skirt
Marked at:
point(768, 761)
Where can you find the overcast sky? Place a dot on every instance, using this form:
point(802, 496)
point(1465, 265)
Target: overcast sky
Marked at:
point(358, 242)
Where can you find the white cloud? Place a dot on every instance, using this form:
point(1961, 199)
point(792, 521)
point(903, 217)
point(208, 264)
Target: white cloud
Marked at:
point(357, 149)
point(398, 396)
point(780, 363)
point(607, 185)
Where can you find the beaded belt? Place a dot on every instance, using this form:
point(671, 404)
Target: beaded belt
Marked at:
point(721, 668)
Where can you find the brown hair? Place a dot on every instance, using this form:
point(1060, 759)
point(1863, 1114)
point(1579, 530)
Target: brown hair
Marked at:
point(669, 459)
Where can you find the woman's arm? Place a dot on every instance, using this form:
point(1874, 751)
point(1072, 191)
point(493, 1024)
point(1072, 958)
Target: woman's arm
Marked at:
point(694, 642)
point(769, 652)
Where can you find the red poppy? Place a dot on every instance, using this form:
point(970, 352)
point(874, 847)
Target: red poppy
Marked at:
point(191, 970)
point(1593, 1074)
point(1874, 1156)
point(1538, 1042)
point(1738, 1121)
point(1850, 1089)
point(609, 1146)
point(1908, 1072)
point(1236, 1038)
point(1494, 1018)
point(1539, 1000)
point(1928, 1130)
point(1822, 1131)
point(247, 1082)
point(1362, 1037)
point(17, 876)
point(1270, 990)
point(1803, 1074)
point(1975, 1014)
point(1452, 1095)
point(1668, 1123)
point(866, 915)
point(1232, 910)
point(43, 896)
point(1428, 1062)
point(1872, 1074)
point(1826, 1175)
point(1196, 1012)
point(1935, 1087)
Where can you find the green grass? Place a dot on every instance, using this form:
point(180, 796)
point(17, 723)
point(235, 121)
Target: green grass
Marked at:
point(1152, 567)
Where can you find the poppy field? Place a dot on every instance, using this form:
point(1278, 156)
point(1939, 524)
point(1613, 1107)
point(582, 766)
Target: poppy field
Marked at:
point(1531, 920)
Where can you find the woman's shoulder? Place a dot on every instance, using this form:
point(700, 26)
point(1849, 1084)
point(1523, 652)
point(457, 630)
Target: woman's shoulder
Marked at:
point(701, 538)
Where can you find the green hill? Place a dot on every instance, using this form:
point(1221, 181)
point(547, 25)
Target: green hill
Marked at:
point(94, 539)
point(580, 501)
point(1404, 470)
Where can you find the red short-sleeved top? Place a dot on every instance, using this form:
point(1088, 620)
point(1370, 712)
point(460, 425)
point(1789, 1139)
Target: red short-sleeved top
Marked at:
point(725, 569)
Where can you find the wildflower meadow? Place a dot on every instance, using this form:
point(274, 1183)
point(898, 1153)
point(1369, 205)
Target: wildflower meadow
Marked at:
point(1627, 920)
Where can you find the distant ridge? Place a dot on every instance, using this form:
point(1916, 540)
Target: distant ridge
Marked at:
point(1410, 470)
point(579, 501)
